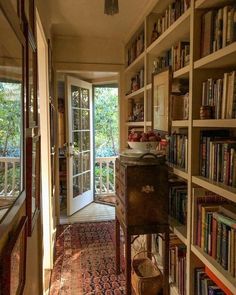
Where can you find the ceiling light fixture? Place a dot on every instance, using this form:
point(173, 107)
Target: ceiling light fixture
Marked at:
point(111, 7)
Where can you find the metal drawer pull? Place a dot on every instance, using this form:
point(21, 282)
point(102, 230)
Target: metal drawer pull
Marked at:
point(147, 189)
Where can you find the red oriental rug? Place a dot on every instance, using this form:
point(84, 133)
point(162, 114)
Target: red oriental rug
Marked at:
point(85, 261)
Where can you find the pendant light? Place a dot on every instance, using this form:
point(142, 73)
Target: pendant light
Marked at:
point(111, 7)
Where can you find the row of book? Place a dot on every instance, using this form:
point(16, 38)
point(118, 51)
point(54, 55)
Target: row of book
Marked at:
point(218, 29)
point(177, 264)
point(178, 150)
point(204, 285)
point(218, 156)
point(171, 14)
point(178, 202)
point(177, 57)
point(220, 94)
point(136, 82)
point(216, 228)
point(135, 49)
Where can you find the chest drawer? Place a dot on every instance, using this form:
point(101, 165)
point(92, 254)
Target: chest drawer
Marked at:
point(120, 172)
point(120, 190)
point(120, 210)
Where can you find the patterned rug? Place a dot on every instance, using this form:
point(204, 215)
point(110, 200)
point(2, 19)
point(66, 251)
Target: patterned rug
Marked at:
point(85, 261)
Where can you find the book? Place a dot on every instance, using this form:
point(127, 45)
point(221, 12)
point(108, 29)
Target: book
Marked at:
point(207, 33)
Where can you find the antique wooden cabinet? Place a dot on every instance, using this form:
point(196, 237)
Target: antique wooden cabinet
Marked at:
point(142, 207)
point(142, 191)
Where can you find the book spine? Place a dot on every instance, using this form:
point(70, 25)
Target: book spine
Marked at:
point(214, 237)
point(219, 245)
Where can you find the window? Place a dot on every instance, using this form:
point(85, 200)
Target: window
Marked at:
point(11, 116)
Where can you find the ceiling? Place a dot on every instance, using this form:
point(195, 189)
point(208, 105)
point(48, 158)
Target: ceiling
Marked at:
point(87, 18)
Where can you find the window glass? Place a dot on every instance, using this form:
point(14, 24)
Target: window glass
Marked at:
point(11, 117)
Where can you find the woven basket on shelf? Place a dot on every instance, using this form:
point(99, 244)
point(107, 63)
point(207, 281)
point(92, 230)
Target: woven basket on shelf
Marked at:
point(146, 276)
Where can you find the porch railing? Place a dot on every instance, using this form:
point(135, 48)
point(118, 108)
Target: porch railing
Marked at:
point(8, 176)
point(105, 176)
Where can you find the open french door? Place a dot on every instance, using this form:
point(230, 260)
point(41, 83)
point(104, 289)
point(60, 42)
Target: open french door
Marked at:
point(79, 134)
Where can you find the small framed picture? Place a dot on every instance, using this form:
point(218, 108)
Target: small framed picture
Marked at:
point(160, 101)
point(14, 261)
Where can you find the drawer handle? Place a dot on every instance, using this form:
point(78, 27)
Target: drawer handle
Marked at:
point(147, 189)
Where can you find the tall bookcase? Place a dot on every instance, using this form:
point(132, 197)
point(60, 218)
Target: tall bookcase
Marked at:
point(186, 28)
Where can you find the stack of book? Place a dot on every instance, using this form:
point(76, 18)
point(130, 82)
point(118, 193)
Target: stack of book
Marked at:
point(178, 202)
point(178, 264)
point(204, 285)
point(177, 57)
point(171, 14)
point(218, 157)
point(178, 150)
point(220, 94)
point(218, 29)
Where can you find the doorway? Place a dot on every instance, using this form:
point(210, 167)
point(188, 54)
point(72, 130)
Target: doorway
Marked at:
point(77, 153)
point(106, 134)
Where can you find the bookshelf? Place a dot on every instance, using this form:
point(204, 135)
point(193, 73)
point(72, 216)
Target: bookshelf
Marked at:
point(187, 28)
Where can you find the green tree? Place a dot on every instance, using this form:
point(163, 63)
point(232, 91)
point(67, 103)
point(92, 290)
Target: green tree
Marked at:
point(106, 121)
point(10, 118)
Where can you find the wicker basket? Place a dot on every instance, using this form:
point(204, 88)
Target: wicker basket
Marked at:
point(146, 277)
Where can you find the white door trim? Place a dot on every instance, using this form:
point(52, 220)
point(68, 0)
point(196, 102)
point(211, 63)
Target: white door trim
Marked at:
point(46, 198)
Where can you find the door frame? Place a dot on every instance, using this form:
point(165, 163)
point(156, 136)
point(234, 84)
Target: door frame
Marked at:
point(46, 198)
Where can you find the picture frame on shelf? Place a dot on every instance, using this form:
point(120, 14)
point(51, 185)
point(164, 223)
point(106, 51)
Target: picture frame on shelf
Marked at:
point(161, 89)
point(14, 261)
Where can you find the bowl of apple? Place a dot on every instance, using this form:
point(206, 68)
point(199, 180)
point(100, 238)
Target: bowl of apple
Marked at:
point(143, 142)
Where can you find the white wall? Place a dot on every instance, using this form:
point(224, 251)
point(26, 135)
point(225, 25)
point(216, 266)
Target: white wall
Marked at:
point(87, 50)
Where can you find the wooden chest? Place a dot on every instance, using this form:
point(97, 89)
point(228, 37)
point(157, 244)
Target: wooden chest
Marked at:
point(141, 193)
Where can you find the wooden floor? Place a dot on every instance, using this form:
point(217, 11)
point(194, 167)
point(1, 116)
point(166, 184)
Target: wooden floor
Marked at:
point(91, 213)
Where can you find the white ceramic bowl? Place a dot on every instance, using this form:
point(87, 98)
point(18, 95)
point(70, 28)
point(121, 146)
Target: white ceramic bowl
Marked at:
point(145, 146)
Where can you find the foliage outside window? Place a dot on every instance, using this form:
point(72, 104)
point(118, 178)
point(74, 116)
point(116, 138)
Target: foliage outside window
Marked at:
point(106, 121)
point(11, 81)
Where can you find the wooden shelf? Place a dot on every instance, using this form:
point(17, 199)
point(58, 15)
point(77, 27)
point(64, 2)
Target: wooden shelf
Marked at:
point(223, 58)
point(208, 4)
point(135, 124)
point(180, 123)
point(179, 30)
point(149, 86)
point(182, 73)
point(216, 268)
point(173, 289)
point(137, 93)
point(149, 123)
point(179, 171)
point(215, 123)
point(217, 188)
point(178, 229)
point(214, 65)
point(137, 64)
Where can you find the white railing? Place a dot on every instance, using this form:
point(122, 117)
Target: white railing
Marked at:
point(8, 182)
point(105, 176)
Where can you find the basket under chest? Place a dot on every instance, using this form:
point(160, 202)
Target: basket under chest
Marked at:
point(141, 193)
